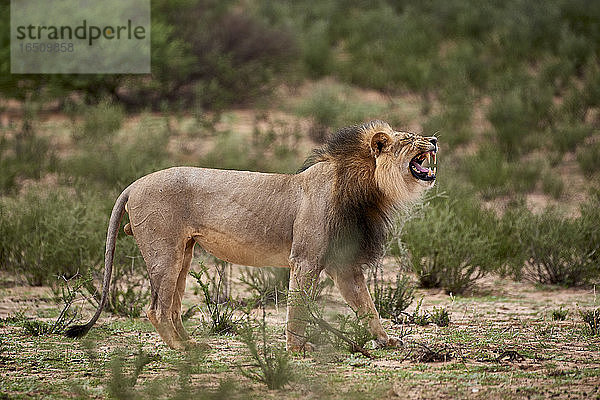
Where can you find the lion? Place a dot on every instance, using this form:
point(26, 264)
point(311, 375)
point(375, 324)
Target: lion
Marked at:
point(332, 215)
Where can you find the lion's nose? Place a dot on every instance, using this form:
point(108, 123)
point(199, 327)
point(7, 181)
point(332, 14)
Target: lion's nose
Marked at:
point(433, 141)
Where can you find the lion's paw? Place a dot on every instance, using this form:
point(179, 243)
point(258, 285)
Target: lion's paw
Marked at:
point(306, 347)
point(192, 345)
point(391, 342)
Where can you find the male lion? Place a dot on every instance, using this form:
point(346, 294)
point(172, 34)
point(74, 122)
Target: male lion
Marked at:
point(333, 216)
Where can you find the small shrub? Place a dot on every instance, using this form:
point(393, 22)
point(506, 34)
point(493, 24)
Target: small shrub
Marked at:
point(62, 233)
point(221, 318)
point(588, 221)
point(23, 153)
point(392, 300)
point(354, 327)
point(100, 123)
point(51, 233)
point(559, 314)
point(333, 106)
point(14, 318)
point(420, 318)
point(592, 319)
point(551, 258)
point(493, 175)
point(452, 244)
point(121, 385)
point(587, 157)
point(440, 316)
point(117, 160)
point(129, 378)
point(514, 115)
point(269, 284)
point(452, 123)
point(69, 290)
point(272, 361)
point(37, 328)
point(568, 137)
point(553, 185)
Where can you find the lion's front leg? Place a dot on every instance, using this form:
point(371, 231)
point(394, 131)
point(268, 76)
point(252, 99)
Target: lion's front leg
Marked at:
point(303, 281)
point(353, 287)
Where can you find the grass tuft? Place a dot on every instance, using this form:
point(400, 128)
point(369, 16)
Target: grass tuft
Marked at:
point(592, 319)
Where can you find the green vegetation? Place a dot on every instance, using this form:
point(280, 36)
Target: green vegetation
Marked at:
point(418, 317)
point(220, 313)
point(592, 319)
point(551, 259)
point(559, 314)
point(512, 90)
point(272, 360)
point(269, 285)
point(440, 316)
point(392, 300)
point(452, 244)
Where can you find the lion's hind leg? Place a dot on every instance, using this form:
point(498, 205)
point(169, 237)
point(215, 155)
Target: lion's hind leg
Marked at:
point(164, 260)
point(178, 294)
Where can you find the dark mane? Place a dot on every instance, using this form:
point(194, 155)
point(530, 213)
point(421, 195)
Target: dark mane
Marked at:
point(359, 218)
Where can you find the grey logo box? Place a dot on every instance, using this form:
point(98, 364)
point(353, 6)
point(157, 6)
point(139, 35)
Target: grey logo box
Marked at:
point(80, 37)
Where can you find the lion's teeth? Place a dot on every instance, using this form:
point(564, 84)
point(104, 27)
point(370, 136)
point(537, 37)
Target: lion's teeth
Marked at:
point(434, 170)
point(429, 158)
point(429, 173)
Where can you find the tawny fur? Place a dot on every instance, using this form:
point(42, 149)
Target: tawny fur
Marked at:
point(332, 216)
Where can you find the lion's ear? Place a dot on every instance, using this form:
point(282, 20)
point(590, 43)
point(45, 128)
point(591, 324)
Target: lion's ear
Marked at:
point(379, 142)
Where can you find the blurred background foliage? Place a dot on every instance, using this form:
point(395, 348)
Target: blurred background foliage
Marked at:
point(512, 88)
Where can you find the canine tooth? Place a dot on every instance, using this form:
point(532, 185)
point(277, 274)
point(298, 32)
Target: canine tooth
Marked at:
point(429, 158)
point(429, 173)
point(434, 170)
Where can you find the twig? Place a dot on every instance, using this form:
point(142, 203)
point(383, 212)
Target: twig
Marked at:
point(354, 347)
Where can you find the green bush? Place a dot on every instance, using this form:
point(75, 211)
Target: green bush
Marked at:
point(100, 123)
point(587, 157)
point(221, 313)
point(115, 159)
point(440, 316)
point(517, 114)
point(420, 318)
point(269, 285)
point(551, 258)
point(493, 175)
point(353, 327)
point(553, 184)
point(213, 53)
point(332, 106)
point(23, 153)
point(49, 233)
point(592, 319)
point(559, 314)
point(452, 244)
point(392, 300)
point(272, 361)
point(567, 138)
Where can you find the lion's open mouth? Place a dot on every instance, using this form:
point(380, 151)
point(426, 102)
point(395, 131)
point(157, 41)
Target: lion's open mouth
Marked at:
point(422, 166)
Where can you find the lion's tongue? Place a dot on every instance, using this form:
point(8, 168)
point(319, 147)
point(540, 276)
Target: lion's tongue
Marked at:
point(420, 168)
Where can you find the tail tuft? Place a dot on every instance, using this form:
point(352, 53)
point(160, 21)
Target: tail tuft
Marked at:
point(77, 331)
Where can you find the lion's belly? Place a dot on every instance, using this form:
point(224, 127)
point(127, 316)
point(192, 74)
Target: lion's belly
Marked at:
point(255, 253)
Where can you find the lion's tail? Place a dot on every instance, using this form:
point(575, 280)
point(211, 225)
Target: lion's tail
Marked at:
point(77, 331)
